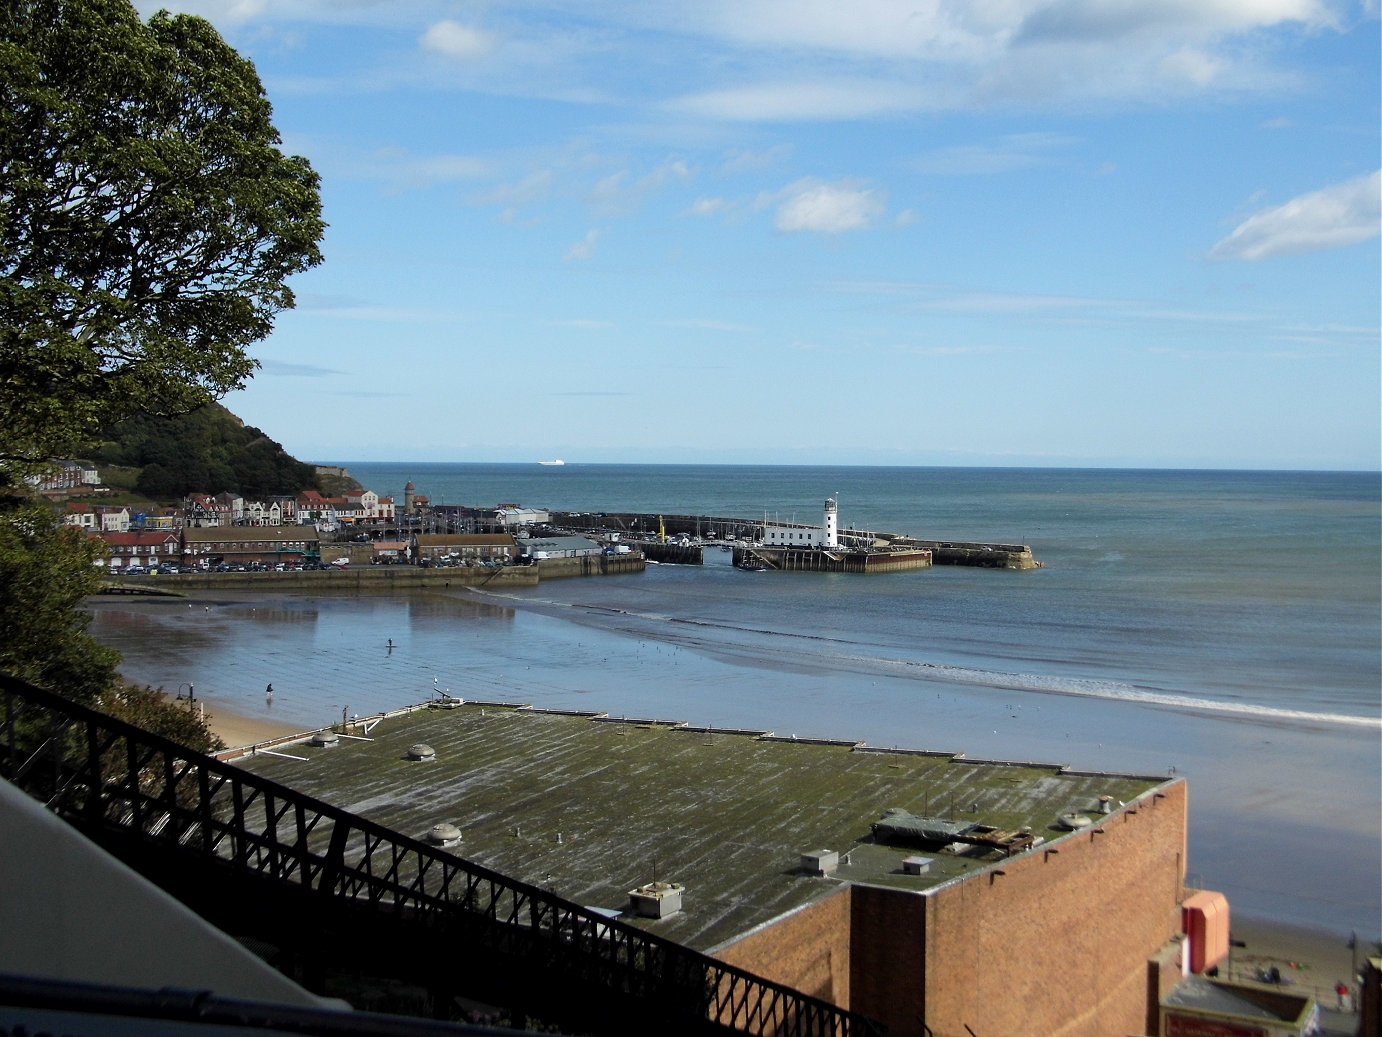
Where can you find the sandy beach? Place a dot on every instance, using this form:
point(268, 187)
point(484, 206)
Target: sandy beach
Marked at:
point(237, 731)
point(1309, 961)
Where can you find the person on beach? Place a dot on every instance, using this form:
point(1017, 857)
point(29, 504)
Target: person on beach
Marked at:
point(269, 693)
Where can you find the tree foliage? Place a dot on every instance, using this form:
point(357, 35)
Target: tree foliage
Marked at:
point(206, 451)
point(45, 573)
point(148, 219)
point(152, 710)
point(149, 223)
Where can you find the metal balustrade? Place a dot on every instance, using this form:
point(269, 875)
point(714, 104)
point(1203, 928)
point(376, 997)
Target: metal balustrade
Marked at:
point(166, 808)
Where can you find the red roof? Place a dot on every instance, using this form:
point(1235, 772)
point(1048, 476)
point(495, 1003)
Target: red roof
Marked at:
point(136, 538)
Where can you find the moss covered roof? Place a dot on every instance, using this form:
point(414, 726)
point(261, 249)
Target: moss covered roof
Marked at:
point(594, 806)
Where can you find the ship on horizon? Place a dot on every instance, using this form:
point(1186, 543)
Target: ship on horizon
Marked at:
point(552, 463)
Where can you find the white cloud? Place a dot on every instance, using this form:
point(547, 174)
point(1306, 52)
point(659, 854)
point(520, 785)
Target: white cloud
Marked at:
point(620, 192)
point(585, 248)
point(809, 205)
point(820, 59)
point(707, 207)
point(764, 60)
point(1103, 20)
point(1010, 153)
point(532, 188)
point(1193, 66)
point(742, 161)
point(797, 101)
point(1336, 216)
point(455, 40)
point(403, 170)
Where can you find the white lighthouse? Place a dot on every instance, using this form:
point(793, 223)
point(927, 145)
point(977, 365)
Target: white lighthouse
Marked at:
point(825, 536)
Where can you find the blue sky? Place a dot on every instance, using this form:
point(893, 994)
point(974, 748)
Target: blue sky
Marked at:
point(1022, 232)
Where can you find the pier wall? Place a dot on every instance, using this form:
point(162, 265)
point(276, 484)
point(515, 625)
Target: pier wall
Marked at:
point(985, 556)
point(673, 554)
point(590, 565)
point(791, 559)
point(719, 527)
point(383, 578)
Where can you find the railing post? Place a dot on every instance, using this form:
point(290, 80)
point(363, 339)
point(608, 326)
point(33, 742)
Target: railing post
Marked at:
point(95, 792)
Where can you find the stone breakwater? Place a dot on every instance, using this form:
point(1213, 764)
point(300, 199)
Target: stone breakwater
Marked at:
point(648, 526)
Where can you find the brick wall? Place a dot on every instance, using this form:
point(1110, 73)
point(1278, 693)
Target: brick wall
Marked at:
point(888, 971)
point(808, 949)
point(1059, 944)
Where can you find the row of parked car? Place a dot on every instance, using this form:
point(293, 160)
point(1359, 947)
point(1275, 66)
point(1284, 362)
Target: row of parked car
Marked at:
point(172, 569)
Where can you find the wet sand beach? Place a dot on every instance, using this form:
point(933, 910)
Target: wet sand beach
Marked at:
point(1308, 961)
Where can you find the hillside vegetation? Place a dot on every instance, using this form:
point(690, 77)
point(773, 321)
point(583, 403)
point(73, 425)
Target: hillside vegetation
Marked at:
point(209, 450)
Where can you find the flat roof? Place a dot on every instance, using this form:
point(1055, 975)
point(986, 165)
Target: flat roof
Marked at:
point(592, 806)
point(229, 534)
point(1238, 1001)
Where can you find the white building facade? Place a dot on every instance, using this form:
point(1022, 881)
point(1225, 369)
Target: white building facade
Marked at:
point(826, 535)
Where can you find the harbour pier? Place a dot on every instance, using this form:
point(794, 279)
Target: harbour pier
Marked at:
point(681, 539)
point(822, 560)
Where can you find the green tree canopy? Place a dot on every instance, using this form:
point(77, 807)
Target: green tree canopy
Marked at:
point(206, 451)
point(148, 226)
point(46, 572)
point(148, 220)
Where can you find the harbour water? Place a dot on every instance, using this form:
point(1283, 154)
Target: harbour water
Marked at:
point(1218, 625)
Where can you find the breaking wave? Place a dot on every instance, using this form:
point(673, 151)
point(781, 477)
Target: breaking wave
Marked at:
point(766, 647)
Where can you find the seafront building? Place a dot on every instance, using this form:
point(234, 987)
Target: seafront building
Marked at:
point(826, 536)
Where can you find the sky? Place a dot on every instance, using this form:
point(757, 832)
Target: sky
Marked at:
point(1064, 233)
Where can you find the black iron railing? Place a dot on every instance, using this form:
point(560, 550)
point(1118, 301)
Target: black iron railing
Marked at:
point(106, 775)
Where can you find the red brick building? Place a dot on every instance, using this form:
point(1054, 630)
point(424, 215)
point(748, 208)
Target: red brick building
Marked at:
point(1079, 936)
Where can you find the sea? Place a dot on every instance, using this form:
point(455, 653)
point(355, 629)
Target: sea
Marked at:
point(1221, 626)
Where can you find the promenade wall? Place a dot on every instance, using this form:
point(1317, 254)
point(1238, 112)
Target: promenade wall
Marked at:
point(379, 578)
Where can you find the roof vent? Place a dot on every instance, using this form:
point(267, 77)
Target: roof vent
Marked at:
point(820, 862)
point(656, 899)
point(326, 739)
point(916, 865)
point(1074, 820)
point(444, 835)
point(421, 751)
point(1105, 804)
